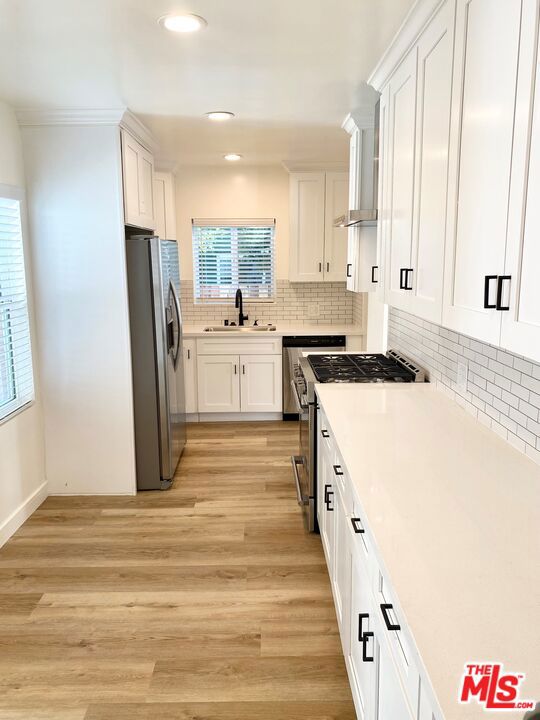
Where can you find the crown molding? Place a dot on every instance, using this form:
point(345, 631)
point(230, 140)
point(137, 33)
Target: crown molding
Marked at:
point(29, 117)
point(122, 117)
point(361, 119)
point(337, 166)
point(165, 166)
point(407, 35)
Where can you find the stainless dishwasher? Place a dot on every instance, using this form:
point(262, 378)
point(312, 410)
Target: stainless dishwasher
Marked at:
point(293, 348)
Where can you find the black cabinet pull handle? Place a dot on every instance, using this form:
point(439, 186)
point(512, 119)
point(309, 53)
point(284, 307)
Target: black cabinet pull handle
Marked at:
point(373, 268)
point(327, 267)
point(407, 271)
point(361, 616)
point(402, 282)
point(385, 607)
point(320, 267)
point(189, 354)
point(500, 282)
point(243, 369)
point(365, 640)
point(325, 433)
point(349, 265)
point(355, 522)
point(327, 493)
point(338, 470)
point(487, 281)
point(235, 369)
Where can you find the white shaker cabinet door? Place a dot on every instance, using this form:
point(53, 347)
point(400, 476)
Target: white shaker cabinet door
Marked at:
point(483, 101)
point(190, 374)
point(431, 172)
point(307, 198)
point(392, 700)
point(138, 182)
point(260, 383)
point(218, 385)
point(401, 150)
point(383, 223)
point(520, 286)
point(335, 238)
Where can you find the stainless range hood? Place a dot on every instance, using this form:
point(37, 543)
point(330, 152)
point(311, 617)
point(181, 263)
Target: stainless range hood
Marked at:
point(369, 184)
point(356, 217)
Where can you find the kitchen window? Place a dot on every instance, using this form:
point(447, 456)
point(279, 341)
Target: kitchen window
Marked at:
point(16, 373)
point(232, 254)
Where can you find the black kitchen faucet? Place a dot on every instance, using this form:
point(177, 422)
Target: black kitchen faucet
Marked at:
point(239, 303)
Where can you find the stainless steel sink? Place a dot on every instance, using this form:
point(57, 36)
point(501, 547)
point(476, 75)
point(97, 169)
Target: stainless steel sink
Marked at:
point(237, 328)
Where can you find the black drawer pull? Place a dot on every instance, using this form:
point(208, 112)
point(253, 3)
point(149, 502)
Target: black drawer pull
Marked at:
point(355, 522)
point(373, 268)
point(338, 470)
point(361, 616)
point(325, 433)
point(385, 607)
point(487, 281)
point(365, 640)
point(349, 265)
point(327, 493)
point(500, 282)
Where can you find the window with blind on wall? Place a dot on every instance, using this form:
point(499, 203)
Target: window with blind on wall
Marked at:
point(232, 254)
point(16, 373)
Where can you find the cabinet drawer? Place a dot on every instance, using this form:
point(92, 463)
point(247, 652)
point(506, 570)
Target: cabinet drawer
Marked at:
point(239, 346)
point(398, 643)
point(343, 483)
point(325, 438)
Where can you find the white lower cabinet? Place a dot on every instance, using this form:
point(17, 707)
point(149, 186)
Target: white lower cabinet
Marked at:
point(218, 383)
point(384, 673)
point(190, 375)
point(260, 383)
point(232, 381)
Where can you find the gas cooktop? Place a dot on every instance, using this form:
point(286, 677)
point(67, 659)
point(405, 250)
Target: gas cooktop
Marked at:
point(363, 368)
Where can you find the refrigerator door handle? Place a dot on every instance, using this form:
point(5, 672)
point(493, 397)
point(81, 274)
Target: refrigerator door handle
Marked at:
point(176, 305)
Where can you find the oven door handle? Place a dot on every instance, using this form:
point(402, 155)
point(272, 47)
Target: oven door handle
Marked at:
point(297, 460)
point(297, 400)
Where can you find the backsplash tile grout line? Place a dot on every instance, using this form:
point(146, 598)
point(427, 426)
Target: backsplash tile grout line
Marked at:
point(502, 390)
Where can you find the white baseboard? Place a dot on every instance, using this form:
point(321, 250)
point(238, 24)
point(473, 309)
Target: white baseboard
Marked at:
point(22, 513)
point(239, 417)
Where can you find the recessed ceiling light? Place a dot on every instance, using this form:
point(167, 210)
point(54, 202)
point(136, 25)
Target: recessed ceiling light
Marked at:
point(232, 157)
point(219, 115)
point(183, 23)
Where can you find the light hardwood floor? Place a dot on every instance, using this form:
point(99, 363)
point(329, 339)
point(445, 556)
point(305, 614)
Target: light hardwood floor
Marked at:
point(206, 602)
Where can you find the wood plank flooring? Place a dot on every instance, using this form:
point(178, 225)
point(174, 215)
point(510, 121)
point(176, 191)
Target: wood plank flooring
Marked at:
point(205, 602)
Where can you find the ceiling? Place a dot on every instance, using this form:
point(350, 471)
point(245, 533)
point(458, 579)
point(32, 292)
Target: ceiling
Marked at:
point(290, 69)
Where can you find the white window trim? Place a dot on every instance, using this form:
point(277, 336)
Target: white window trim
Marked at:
point(235, 222)
point(14, 192)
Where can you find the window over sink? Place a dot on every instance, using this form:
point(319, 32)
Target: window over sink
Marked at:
point(16, 373)
point(231, 254)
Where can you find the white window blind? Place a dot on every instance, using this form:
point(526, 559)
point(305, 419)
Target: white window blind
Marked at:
point(232, 254)
point(16, 374)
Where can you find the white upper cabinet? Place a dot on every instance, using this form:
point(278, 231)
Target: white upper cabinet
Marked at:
point(164, 205)
point(434, 84)
point(138, 179)
point(318, 251)
point(520, 289)
point(483, 101)
point(402, 137)
point(335, 238)
point(362, 269)
point(384, 211)
point(307, 198)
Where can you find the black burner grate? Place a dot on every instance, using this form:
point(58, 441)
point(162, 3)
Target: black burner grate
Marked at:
point(358, 369)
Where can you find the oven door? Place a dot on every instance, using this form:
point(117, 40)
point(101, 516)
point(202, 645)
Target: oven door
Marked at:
point(303, 462)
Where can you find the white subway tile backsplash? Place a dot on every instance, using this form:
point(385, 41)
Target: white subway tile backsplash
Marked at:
point(304, 303)
point(502, 390)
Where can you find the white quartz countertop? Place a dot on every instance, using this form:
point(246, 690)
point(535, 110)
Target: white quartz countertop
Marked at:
point(455, 513)
point(281, 330)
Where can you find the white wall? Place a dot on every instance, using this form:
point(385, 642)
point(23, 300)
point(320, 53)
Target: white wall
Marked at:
point(22, 463)
point(232, 191)
point(78, 249)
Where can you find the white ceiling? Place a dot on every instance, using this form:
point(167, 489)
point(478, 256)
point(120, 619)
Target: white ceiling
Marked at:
point(289, 69)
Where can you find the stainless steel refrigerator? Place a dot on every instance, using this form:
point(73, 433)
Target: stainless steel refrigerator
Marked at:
point(157, 359)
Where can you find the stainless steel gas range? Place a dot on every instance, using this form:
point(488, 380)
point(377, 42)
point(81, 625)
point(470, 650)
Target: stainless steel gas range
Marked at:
point(393, 367)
